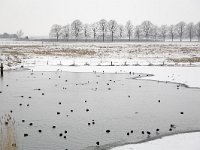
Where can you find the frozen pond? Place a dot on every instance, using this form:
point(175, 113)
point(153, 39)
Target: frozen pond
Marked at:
point(86, 105)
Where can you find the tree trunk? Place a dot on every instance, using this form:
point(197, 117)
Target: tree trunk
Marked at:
point(181, 34)
point(57, 37)
point(112, 36)
point(180, 37)
point(190, 37)
point(94, 36)
point(103, 36)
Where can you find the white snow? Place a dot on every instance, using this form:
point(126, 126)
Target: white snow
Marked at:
point(187, 141)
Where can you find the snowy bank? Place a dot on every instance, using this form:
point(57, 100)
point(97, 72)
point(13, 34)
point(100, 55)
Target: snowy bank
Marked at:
point(184, 75)
point(187, 141)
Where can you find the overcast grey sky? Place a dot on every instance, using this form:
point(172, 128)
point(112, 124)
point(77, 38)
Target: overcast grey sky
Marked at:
point(35, 17)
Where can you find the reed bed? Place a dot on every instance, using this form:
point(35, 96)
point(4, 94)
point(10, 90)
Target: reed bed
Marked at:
point(7, 133)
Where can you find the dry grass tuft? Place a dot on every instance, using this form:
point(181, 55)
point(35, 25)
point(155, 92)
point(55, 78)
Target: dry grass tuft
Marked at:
point(7, 133)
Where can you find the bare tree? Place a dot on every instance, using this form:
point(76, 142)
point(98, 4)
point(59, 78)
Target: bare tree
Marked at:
point(121, 31)
point(103, 27)
point(163, 31)
point(172, 32)
point(56, 31)
point(86, 30)
point(180, 28)
point(155, 32)
point(147, 28)
point(112, 27)
point(190, 30)
point(144, 31)
point(129, 29)
point(19, 34)
point(138, 32)
point(197, 29)
point(66, 31)
point(76, 28)
point(94, 28)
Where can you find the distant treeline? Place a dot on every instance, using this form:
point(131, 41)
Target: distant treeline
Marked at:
point(112, 31)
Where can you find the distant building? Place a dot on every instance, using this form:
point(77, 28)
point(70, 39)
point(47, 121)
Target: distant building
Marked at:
point(8, 36)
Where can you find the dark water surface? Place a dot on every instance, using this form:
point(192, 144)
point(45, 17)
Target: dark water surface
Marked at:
point(114, 101)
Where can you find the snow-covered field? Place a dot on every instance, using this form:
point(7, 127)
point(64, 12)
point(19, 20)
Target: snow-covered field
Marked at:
point(148, 54)
point(172, 62)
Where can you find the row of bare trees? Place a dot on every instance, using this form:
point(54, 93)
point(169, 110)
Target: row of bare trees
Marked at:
point(111, 30)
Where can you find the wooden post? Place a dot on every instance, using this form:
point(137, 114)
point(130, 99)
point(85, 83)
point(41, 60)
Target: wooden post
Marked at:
point(2, 69)
point(111, 63)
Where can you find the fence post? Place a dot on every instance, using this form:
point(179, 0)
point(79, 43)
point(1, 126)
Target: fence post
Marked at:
point(2, 69)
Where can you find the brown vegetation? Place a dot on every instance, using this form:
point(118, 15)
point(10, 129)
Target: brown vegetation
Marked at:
point(67, 52)
point(7, 133)
point(184, 60)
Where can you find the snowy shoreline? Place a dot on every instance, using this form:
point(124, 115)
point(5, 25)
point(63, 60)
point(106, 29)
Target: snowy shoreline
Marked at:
point(183, 141)
point(182, 75)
